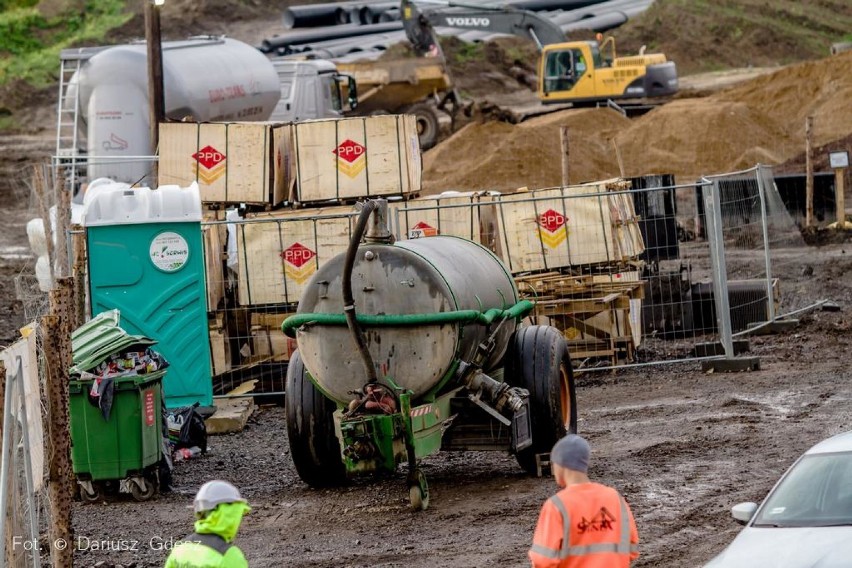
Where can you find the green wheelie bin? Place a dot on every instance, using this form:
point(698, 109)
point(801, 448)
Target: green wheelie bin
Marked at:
point(124, 449)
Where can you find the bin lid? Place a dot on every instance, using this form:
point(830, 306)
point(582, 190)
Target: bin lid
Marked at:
point(100, 337)
point(115, 203)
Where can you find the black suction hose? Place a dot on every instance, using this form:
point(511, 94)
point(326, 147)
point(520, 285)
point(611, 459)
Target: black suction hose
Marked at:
point(348, 299)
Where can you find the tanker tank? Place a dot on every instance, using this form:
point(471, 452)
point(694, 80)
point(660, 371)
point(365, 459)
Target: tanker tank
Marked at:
point(414, 277)
point(204, 79)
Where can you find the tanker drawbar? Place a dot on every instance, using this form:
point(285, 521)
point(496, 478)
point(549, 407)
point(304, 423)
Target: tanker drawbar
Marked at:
point(407, 348)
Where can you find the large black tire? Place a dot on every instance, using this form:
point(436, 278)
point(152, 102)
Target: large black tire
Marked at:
point(538, 360)
point(428, 127)
point(310, 429)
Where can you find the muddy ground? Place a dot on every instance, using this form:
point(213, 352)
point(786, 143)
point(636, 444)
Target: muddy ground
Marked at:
point(683, 446)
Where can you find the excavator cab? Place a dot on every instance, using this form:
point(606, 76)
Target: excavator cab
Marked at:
point(567, 71)
point(577, 72)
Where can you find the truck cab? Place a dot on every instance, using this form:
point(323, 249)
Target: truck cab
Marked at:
point(311, 89)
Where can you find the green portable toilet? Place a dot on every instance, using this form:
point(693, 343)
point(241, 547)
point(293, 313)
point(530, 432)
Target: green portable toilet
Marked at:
point(146, 260)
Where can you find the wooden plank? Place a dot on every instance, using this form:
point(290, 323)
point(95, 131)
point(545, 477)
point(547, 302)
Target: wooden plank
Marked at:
point(358, 157)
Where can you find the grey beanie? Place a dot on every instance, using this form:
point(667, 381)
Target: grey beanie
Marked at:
point(571, 452)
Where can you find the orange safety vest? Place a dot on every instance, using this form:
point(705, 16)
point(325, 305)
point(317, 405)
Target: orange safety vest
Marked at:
point(587, 525)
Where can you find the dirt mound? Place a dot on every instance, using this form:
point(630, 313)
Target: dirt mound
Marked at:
point(699, 136)
point(761, 121)
point(497, 155)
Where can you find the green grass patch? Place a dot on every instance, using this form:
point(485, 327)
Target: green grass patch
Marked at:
point(470, 52)
point(31, 43)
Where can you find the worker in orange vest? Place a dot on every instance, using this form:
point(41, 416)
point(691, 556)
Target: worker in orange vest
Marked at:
point(586, 524)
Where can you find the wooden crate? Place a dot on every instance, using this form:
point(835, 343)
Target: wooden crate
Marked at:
point(279, 251)
point(563, 227)
point(352, 158)
point(239, 162)
point(469, 215)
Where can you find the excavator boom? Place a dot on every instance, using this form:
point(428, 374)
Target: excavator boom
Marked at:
point(419, 25)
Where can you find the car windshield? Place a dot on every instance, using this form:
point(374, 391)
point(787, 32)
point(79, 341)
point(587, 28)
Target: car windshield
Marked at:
point(817, 492)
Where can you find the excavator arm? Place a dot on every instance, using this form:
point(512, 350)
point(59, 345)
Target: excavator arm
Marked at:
point(419, 25)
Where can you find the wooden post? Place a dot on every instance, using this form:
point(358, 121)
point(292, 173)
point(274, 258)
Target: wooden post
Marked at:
point(56, 331)
point(839, 197)
point(809, 173)
point(80, 269)
point(63, 221)
point(156, 97)
point(563, 137)
point(618, 158)
point(40, 185)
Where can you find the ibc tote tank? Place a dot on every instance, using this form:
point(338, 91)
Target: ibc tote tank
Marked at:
point(204, 79)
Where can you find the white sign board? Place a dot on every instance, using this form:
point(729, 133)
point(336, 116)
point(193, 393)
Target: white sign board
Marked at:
point(838, 159)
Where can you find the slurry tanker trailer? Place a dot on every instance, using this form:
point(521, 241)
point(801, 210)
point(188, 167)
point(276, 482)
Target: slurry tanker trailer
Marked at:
point(410, 347)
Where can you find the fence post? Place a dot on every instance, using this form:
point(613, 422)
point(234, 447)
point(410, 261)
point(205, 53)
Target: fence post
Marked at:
point(715, 237)
point(28, 464)
point(809, 172)
point(57, 345)
point(563, 137)
point(764, 220)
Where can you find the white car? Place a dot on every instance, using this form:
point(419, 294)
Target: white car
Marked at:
point(805, 521)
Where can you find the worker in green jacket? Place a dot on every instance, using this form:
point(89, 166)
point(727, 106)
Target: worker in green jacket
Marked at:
point(219, 509)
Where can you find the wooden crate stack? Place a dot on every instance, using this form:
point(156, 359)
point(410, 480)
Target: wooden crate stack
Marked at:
point(297, 184)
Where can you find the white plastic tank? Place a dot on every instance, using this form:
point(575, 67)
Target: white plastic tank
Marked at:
point(204, 79)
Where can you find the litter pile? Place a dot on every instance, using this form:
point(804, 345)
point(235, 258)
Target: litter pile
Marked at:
point(761, 121)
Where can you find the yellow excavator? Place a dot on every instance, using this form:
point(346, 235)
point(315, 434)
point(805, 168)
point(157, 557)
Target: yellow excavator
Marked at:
point(568, 71)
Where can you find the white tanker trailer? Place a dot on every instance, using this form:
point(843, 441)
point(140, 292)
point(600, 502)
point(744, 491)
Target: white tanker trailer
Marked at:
point(433, 358)
point(204, 79)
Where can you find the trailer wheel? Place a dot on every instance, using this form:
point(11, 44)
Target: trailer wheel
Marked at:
point(427, 124)
point(538, 360)
point(310, 429)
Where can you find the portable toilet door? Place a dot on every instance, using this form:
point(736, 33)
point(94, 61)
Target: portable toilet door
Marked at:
point(146, 260)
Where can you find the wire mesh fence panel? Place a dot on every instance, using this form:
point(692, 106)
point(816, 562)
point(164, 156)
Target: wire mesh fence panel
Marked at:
point(612, 264)
point(257, 267)
point(755, 226)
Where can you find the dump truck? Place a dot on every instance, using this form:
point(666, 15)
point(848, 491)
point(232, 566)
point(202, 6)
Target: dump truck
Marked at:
point(407, 85)
point(410, 347)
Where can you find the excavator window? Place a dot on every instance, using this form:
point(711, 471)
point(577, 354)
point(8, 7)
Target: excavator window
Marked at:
point(562, 69)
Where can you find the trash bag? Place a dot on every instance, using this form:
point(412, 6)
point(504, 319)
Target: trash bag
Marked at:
point(187, 428)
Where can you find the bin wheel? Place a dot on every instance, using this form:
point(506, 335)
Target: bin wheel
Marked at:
point(310, 429)
point(418, 491)
point(538, 360)
point(141, 489)
point(90, 497)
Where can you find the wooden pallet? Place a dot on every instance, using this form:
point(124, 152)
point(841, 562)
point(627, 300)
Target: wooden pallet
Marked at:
point(596, 313)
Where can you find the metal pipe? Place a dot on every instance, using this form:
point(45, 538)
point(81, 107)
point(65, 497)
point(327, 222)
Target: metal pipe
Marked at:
point(761, 193)
point(5, 458)
point(326, 33)
point(28, 466)
point(327, 14)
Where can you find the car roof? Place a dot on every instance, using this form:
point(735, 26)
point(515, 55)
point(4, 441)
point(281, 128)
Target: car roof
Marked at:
point(839, 443)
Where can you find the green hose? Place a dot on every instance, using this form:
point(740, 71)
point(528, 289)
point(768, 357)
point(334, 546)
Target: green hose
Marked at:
point(519, 310)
